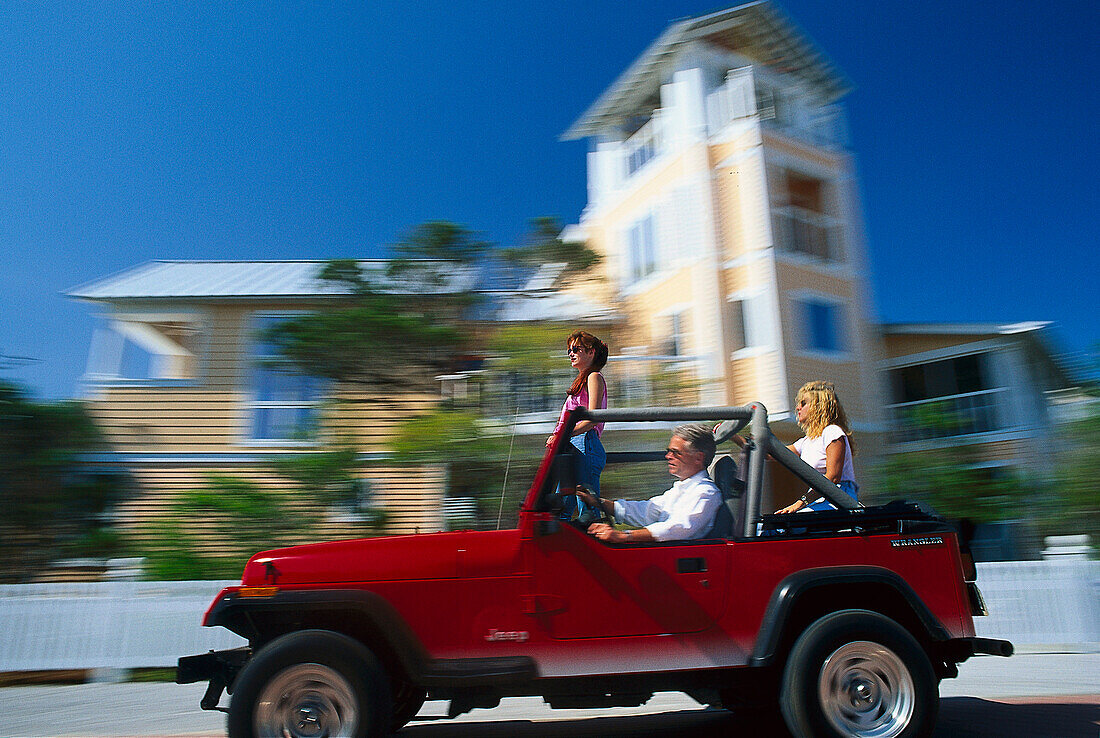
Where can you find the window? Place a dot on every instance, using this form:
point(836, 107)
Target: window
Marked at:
point(643, 146)
point(674, 342)
point(641, 249)
point(153, 348)
point(285, 404)
point(946, 398)
point(957, 376)
point(749, 321)
point(822, 325)
point(765, 102)
point(805, 192)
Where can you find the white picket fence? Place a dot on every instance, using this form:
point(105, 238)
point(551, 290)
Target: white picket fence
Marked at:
point(1051, 605)
point(106, 625)
point(1038, 605)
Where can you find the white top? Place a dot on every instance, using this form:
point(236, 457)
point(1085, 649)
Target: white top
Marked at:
point(685, 511)
point(812, 451)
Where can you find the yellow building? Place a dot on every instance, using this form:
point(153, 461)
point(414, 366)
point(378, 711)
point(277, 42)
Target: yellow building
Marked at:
point(993, 381)
point(182, 384)
point(723, 198)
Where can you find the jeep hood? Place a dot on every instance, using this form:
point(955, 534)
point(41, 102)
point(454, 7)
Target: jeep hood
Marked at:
point(394, 558)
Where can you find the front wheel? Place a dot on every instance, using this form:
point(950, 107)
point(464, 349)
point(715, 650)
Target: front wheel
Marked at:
point(311, 684)
point(858, 674)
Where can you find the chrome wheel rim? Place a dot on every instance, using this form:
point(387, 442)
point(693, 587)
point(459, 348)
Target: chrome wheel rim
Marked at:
point(866, 691)
point(307, 701)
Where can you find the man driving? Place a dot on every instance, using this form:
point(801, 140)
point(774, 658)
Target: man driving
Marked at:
point(685, 511)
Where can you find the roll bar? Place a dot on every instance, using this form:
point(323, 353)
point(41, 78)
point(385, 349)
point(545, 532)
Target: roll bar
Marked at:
point(763, 439)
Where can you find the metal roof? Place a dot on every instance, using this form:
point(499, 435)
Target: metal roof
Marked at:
point(251, 279)
point(758, 30)
point(963, 329)
point(512, 292)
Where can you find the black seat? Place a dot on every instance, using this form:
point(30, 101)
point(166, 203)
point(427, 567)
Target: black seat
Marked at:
point(729, 478)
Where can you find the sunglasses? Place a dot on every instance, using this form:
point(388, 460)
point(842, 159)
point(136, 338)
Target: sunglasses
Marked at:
point(575, 350)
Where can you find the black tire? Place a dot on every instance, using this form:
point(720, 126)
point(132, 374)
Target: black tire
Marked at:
point(858, 674)
point(407, 701)
point(313, 682)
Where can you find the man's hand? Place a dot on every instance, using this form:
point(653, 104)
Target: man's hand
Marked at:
point(605, 532)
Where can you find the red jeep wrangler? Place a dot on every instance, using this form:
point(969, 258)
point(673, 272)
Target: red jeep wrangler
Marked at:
point(847, 619)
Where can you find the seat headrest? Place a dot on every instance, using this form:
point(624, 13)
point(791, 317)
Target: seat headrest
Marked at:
point(723, 472)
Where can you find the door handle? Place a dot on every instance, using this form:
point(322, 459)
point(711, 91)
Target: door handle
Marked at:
point(542, 604)
point(691, 566)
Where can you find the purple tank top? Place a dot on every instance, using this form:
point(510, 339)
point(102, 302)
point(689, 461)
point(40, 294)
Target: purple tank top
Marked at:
point(580, 400)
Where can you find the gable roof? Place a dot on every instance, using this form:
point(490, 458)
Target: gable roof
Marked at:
point(758, 30)
point(1039, 335)
point(241, 279)
point(513, 292)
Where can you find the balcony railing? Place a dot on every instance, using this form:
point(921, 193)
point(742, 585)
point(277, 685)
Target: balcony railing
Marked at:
point(824, 126)
point(633, 381)
point(948, 417)
point(740, 96)
point(800, 231)
point(644, 145)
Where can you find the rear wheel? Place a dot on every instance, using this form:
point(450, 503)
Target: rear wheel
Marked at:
point(858, 674)
point(311, 684)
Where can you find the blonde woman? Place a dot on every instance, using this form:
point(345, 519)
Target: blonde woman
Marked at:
point(826, 446)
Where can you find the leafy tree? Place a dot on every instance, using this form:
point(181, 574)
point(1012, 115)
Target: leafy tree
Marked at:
point(52, 506)
point(398, 329)
point(329, 476)
point(949, 479)
point(212, 531)
point(543, 245)
point(1077, 460)
point(1077, 480)
point(374, 338)
point(441, 240)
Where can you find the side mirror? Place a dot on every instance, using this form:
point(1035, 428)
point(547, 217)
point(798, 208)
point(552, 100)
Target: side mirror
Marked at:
point(547, 527)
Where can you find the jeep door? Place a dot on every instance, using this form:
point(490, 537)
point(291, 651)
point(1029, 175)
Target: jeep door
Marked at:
point(584, 588)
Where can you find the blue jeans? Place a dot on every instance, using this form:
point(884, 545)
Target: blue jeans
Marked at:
point(589, 461)
point(850, 488)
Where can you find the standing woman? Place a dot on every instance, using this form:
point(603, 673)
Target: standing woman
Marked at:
point(826, 446)
point(588, 355)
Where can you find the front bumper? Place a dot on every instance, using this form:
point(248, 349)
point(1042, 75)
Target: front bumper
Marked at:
point(967, 647)
point(219, 667)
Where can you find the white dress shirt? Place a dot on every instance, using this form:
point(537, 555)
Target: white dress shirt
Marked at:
point(685, 511)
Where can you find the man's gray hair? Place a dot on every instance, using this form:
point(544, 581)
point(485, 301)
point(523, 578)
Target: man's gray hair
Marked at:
point(700, 437)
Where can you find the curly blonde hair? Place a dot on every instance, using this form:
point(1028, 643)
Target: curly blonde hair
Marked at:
point(824, 409)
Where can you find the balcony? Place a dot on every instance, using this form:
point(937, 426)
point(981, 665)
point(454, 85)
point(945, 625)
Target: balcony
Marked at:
point(953, 416)
point(644, 145)
point(800, 231)
point(534, 399)
point(740, 96)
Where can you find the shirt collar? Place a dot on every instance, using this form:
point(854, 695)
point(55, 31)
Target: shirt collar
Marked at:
point(694, 477)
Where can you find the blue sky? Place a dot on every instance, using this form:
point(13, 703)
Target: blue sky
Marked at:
point(300, 131)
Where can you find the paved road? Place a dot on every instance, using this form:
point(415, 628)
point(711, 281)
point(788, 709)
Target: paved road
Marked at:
point(1032, 696)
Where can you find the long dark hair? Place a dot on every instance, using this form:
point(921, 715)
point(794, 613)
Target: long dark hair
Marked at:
point(587, 341)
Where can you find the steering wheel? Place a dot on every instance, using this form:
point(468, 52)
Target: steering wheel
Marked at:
point(727, 429)
point(593, 514)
